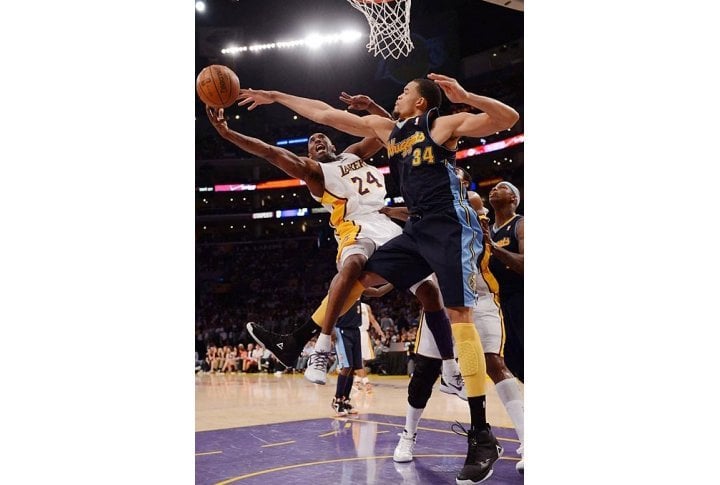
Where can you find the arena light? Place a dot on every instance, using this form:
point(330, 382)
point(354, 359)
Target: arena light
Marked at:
point(200, 6)
point(312, 41)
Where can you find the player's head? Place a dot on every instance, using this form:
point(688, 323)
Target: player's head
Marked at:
point(418, 96)
point(463, 176)
point(320, 148)
point(504, 194)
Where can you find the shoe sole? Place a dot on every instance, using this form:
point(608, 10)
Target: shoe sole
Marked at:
point(322, 383)
point(470, 482)
point(249, 329)
point(402, 461)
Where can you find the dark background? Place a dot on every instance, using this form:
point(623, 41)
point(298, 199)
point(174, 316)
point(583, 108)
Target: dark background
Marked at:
point(245, 266)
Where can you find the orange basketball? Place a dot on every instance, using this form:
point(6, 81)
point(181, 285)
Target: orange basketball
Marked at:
point(217, 86)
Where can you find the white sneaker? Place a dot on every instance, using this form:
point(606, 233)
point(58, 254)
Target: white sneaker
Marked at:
point(520, 466)
point(454, 385)
point(317, 367)
point(405, 447)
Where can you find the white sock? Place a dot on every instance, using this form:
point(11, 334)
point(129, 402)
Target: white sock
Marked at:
point(509, 392)
point(324, 343)
point(412, 418)
point(450, 367)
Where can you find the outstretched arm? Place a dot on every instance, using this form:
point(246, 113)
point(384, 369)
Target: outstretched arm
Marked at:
point(374, 322)
point(320, 112)
point(369, 146)
point(299, 167)
point(496, 116)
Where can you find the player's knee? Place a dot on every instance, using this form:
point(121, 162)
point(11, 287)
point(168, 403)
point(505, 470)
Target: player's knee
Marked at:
point(429, 296)
point(495, 366)
point(424, 376)
point(353, 265)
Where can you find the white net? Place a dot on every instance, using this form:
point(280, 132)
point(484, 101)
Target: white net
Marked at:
point(389, 26)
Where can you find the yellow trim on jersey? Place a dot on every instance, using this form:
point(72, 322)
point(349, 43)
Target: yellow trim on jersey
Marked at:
point(487, 275)
point(339, 207)
point(419, 331)
point(347, 233)
point(503, 335)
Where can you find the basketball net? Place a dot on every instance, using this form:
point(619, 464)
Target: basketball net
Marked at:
point(389, 26)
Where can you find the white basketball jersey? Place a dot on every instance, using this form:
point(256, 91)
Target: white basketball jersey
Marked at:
point(352, 188)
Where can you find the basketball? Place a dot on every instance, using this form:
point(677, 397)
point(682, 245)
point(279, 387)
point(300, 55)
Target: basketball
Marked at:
point(217, 86)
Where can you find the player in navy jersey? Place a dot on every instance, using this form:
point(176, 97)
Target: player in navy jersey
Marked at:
point(507, 263)
point(353, 192)
point(348, 348)
point(442, 235)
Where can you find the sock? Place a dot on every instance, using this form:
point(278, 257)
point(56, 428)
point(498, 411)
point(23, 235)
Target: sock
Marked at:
point(340, 387)
point(324, 343)
point(477, 411)
point(352, 297)
point(364, 380)
point(509, 393)
point(305, 332)
point(348, 385)
point(471, 357)
point(439, 325)
point(412, 418)
point(450, 367)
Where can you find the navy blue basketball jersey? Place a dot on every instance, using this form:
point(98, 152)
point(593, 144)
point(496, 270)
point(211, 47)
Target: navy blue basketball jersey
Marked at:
point(506, 237)
point(352, 319)
point(424, 170)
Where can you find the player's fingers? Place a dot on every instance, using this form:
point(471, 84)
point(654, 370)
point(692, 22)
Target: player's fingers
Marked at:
point(254, 105)
point(434, 76)
point(245, 101)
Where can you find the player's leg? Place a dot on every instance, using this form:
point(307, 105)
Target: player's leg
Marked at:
point(456, 270)
point(435, 319)
point(489, 323)
point(354, 352)
point(513, 312)
point(344, 371)
point(427, 370)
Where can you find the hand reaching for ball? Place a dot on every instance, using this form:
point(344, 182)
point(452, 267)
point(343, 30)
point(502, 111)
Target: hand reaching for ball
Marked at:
point(217, 118)
point(256, 97)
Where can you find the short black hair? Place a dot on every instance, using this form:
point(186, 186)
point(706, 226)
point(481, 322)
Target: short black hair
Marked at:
point(430, 91)
point(465, 174)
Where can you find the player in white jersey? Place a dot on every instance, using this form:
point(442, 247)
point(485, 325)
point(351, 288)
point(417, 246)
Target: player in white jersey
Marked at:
point(353, 192)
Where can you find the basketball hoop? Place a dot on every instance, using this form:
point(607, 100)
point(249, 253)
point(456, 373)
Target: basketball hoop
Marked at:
point(389, 26)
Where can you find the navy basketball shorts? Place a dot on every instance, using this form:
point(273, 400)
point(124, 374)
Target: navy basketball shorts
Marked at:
point(348, 348)
point(446, 243)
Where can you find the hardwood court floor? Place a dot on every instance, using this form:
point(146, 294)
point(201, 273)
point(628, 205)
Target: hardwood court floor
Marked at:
point(267, 428)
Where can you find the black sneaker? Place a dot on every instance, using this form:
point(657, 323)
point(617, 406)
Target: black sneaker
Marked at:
point(483, 452)
point(349, 408)
point(283, 347)
point(338, 406)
